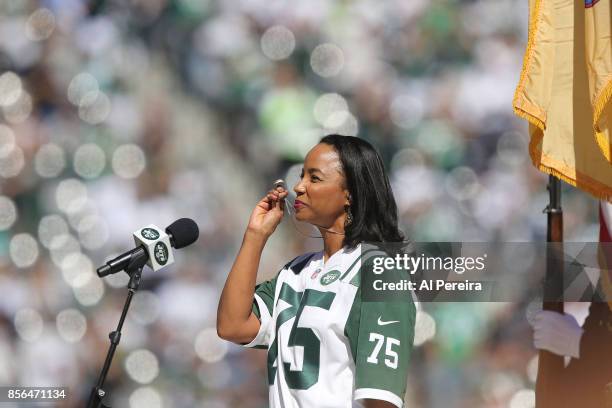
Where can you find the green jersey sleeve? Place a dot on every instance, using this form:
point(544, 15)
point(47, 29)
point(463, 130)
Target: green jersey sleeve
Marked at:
point(263, 306)
point(381, 338)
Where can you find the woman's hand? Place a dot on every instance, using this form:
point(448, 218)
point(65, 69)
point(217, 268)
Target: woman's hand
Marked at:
point(268, 213)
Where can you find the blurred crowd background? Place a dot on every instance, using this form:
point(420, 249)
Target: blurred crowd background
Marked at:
point(120, 113)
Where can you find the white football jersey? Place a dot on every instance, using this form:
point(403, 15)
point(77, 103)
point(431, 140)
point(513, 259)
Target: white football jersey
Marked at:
point(326, 346)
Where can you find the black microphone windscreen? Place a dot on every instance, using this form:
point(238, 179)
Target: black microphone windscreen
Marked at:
point(184, 232)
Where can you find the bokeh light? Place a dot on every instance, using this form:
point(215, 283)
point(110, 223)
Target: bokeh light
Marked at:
point(93, 231)
point(89, 160)
point(62, 246)
point(24, 250)
point(40, 25)
point(90, 293)
point(71, 325)
point(327, 60)
point(82, 85)
point(49, 227)
point(327, 105)
point(12, 163)
point(71, 195)
point(7, 140)
point(128, 161)
point(50, 160)
point(145, 397)
point(20, 110)
point(277, 43)
point(28, 324)
point(94, 107)
point(342, 123)
point(8, 213)
point(77, 269)
point(86, 211)
point(142, 366)
point(10, 88)
point(209, 347)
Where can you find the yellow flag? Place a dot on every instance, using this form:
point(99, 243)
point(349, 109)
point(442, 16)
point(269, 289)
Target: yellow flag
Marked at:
point(564, 92)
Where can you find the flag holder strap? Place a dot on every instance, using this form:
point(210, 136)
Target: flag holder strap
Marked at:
point(134, 270)
point(551, 210)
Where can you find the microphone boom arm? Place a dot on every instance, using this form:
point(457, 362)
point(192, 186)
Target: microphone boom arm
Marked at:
point(136, 258)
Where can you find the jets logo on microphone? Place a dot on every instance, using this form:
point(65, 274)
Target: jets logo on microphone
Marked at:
point(157, 244)
point(149, 233)
point(161, 253)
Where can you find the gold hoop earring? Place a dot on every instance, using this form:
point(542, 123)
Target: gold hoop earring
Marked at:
point(349, 217)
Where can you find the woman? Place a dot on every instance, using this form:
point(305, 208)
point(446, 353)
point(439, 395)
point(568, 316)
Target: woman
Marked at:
point(326, 346)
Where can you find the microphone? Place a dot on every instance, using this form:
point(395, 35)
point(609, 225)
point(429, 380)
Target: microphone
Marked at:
point(153, 246)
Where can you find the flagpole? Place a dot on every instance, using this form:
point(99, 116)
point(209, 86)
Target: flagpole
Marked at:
point(550, 365)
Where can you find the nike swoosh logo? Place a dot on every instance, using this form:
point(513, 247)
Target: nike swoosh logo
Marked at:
point(383, 323)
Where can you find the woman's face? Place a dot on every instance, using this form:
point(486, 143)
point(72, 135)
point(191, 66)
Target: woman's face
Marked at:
point(321, 195)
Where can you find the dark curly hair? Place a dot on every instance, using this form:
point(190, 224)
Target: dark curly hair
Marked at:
point(373, 206)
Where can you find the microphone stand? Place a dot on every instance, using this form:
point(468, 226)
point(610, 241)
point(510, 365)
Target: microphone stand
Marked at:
point(134, 270)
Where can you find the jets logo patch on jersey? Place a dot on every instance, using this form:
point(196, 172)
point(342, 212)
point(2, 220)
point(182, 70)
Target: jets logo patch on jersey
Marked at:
point(329, 277)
